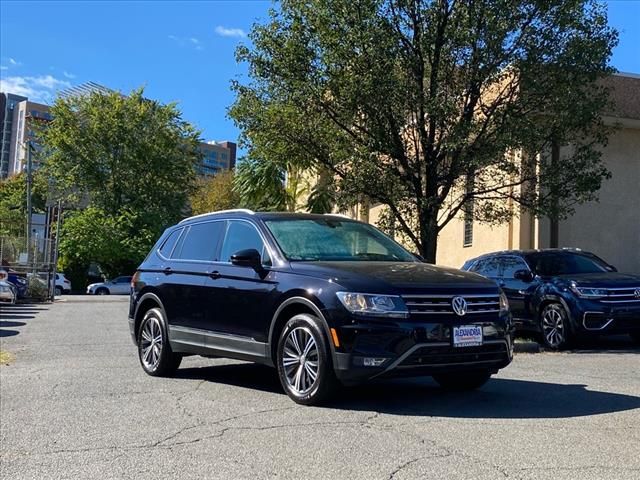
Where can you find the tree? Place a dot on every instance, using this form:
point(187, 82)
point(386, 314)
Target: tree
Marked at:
point(214, 193)
point(279, 186)
point(93, 235)
point(122, 151)
point(13, 202)
point(131, 161)
point(406, 101)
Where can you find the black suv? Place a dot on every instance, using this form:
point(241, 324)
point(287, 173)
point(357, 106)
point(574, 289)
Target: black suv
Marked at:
point(564, 294)
point(323, 298)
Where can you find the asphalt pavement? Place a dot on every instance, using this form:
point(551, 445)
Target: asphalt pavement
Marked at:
point(75, 404)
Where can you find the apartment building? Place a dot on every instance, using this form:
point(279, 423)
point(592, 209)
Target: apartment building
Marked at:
point(28, 117)
point(216, 157)
point(8, 102)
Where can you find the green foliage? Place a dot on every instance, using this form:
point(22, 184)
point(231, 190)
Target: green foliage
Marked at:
point(37, 288)
point(131, 161)
point(260, 185)
point(13, 202)
point(402, 100)
point(214, 193)
point(117, 243)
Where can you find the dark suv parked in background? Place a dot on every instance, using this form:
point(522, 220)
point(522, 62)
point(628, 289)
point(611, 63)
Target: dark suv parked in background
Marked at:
point(564, 294)
point(323, 298)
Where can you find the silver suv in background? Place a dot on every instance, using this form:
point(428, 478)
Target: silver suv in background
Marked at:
point(117, 286)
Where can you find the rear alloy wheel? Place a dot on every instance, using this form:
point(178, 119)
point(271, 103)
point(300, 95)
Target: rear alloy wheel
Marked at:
point(463, 381)
point(554, 324)
point(58, 291)
point(154, 350)
point(304, 361)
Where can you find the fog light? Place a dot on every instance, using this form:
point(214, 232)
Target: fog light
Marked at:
point(373, 362)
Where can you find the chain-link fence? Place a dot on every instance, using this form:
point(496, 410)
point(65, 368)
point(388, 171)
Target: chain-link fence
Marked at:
point(30, 264)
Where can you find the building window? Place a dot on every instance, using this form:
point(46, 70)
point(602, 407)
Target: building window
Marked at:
point(468, 214)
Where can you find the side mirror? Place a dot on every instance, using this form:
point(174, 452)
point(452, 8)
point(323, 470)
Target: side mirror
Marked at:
point(247, 258)
point(524, 275)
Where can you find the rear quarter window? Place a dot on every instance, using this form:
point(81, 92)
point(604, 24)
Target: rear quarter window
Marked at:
point(167, 246)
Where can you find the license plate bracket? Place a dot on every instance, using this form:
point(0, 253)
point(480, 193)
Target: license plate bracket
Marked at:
point(467, 336)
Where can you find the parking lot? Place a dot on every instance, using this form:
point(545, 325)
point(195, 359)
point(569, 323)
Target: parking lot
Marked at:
point(74, 403)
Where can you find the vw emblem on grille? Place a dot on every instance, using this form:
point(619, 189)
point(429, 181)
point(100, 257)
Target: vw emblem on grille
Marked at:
point(459, 305)
point(637, 293)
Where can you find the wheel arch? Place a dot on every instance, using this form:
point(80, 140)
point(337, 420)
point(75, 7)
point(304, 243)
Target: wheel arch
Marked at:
point(147, 301)
point(291, 306)
point(549, 299)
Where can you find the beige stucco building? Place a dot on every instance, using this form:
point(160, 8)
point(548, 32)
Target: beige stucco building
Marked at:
point(609, 227)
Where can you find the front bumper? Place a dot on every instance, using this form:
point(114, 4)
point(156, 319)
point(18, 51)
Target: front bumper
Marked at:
point(409, 348)
point(596, 319)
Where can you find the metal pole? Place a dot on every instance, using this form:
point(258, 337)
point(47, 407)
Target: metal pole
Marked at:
point(29, 226)
point(55, 250)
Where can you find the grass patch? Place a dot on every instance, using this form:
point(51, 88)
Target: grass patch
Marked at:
point(6, 357)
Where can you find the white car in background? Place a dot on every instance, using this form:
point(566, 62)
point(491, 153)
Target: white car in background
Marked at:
point(63, 285)
point(117, 286)
point(8, 292)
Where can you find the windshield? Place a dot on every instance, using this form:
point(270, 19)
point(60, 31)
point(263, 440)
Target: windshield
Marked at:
point(334, 240)
point(552, 264)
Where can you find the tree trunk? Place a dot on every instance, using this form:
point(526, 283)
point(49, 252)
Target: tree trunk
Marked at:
point(429, 235)
point(554, 234)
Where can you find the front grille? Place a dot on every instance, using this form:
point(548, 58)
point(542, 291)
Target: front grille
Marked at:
point(441, 304)
point(622, 295)
point(427, 356)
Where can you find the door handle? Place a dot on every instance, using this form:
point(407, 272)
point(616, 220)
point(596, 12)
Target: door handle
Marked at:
point(214, 275)
point(168, 271)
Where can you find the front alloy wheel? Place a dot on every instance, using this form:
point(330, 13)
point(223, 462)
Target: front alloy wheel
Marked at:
point(555, 326)
point(304, 361)
point(154, 349)
point(300, 360)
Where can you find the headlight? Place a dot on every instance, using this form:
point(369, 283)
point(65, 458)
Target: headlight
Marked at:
point(374, 305)
point(587, 292)
point(504, 303)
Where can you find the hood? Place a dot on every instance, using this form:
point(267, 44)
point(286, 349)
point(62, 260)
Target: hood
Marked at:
point(603, 280)
point(400, 275)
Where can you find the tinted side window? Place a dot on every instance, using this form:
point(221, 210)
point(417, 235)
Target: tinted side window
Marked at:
point(200, 242)
point(169, 243)
point(511, 265)
point(488, 267)
point(240, 236)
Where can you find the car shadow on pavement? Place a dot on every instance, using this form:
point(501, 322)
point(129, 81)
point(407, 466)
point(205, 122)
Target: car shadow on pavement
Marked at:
point(612, 344)
point(15, 316)
point(499, 398)
point(4, 324)
point(8, 333)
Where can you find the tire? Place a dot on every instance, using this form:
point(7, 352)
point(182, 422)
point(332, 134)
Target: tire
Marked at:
point(102, 291)
point(154, 351)
point(635, 336)
point(555, 327)
point(303, 351)
point(58, 291)
point(462, 381)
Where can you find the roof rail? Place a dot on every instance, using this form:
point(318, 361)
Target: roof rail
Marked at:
point(233, 210)
point(338, 215)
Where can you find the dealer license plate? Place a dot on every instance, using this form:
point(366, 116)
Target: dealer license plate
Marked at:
point(467, 336)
